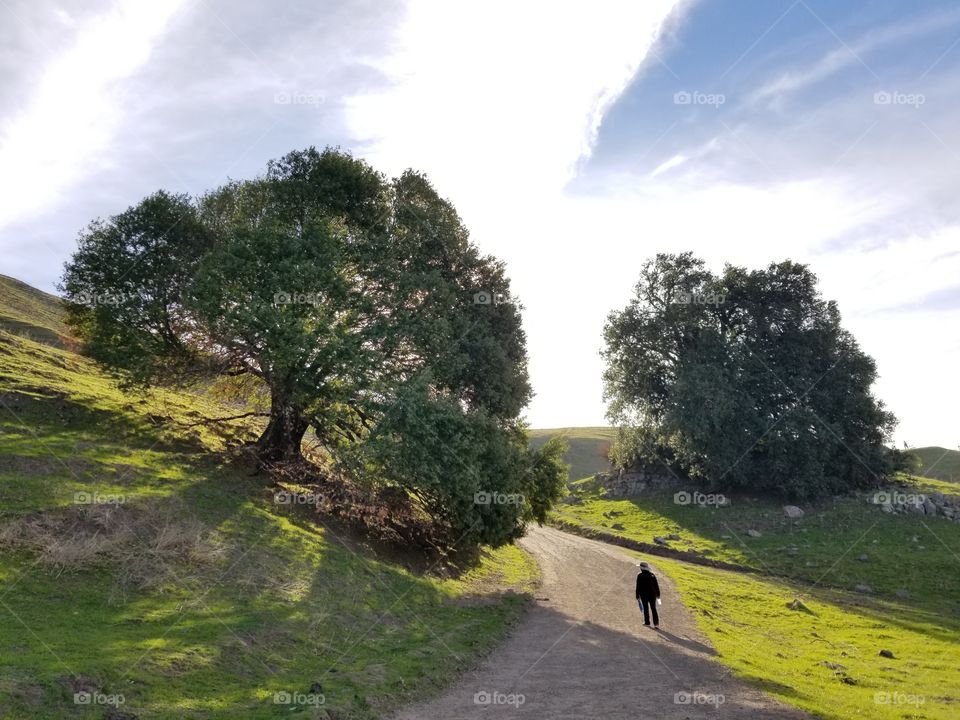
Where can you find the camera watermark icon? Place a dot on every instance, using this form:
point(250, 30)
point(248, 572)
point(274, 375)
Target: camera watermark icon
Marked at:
point(695, 298)
point(698, 498)
point(298, 98)
point(98, 698)
point(894, 497)
point(285, 497)
point(698, 698)
point(485, 697)
point(96, 498)
point(497, 498)
point(894, 97)
point(297, 298)
point(485, 297)
point(695, 97)
point(898, 698)
point(298, 698)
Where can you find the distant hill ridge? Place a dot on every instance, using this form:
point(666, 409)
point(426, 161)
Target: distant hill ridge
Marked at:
point(939, 463)
point(589, 447)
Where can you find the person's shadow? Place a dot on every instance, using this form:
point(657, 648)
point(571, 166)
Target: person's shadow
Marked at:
point(693, 645)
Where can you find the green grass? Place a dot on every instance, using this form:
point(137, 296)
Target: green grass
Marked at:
point(939, 463)
point(902, 551)
point(196, 596)
point(588, 451)
point(32, 313)
point(785, 652)
point(816, 559)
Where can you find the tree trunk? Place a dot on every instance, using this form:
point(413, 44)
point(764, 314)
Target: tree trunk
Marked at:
point(281, 440)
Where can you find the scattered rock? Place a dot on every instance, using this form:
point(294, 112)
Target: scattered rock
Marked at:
point(673, 536)
point(863, 558)
point(634, 481)
point(660, 540)
point(863, 588)
point(929, 507)
point(792, 512)
point(753, 533)
point(840, 672)
point(793, 551)
point(903, 594)
point(617, 526)
point(886, 654)
point(572, 500)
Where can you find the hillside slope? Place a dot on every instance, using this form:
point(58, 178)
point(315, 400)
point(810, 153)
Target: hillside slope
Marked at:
point(588, 447)
point(31, 313)
point(939, 463)
point(817, 598)
point(147, 570)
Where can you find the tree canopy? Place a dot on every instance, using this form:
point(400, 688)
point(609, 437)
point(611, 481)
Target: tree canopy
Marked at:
point(353, 298)
point(744, 379)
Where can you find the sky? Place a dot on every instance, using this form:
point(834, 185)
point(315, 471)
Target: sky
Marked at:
point(577, 140)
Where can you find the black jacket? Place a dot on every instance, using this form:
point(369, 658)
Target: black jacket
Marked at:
point(647, 586)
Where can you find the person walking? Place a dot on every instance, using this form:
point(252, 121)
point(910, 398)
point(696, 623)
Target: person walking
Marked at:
point(648, 594)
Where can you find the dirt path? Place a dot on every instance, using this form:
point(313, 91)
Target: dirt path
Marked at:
point(582, 652)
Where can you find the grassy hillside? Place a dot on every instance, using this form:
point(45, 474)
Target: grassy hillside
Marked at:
point(588, 448)
point(822, 655)
point(31, 313)
point(939, 463)
point(142, 561)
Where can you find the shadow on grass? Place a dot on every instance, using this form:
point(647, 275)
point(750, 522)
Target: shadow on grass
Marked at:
point(285, 610)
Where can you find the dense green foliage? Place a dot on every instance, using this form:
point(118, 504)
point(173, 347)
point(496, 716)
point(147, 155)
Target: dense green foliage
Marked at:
point(745, 379)
point(352, 299)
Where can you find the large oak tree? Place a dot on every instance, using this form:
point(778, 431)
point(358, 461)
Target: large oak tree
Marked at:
point(744, 379)
point(352, 298)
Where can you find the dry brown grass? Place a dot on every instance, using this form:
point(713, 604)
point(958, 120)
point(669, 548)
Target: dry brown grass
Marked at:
point(147, 545)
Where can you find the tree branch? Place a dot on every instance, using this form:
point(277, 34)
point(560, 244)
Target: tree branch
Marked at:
point(225, 419)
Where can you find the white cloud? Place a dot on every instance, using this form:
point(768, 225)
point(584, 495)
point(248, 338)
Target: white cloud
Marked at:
point(71, 113)
point(499, 102)
point(493, 98)
point(848, 54)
